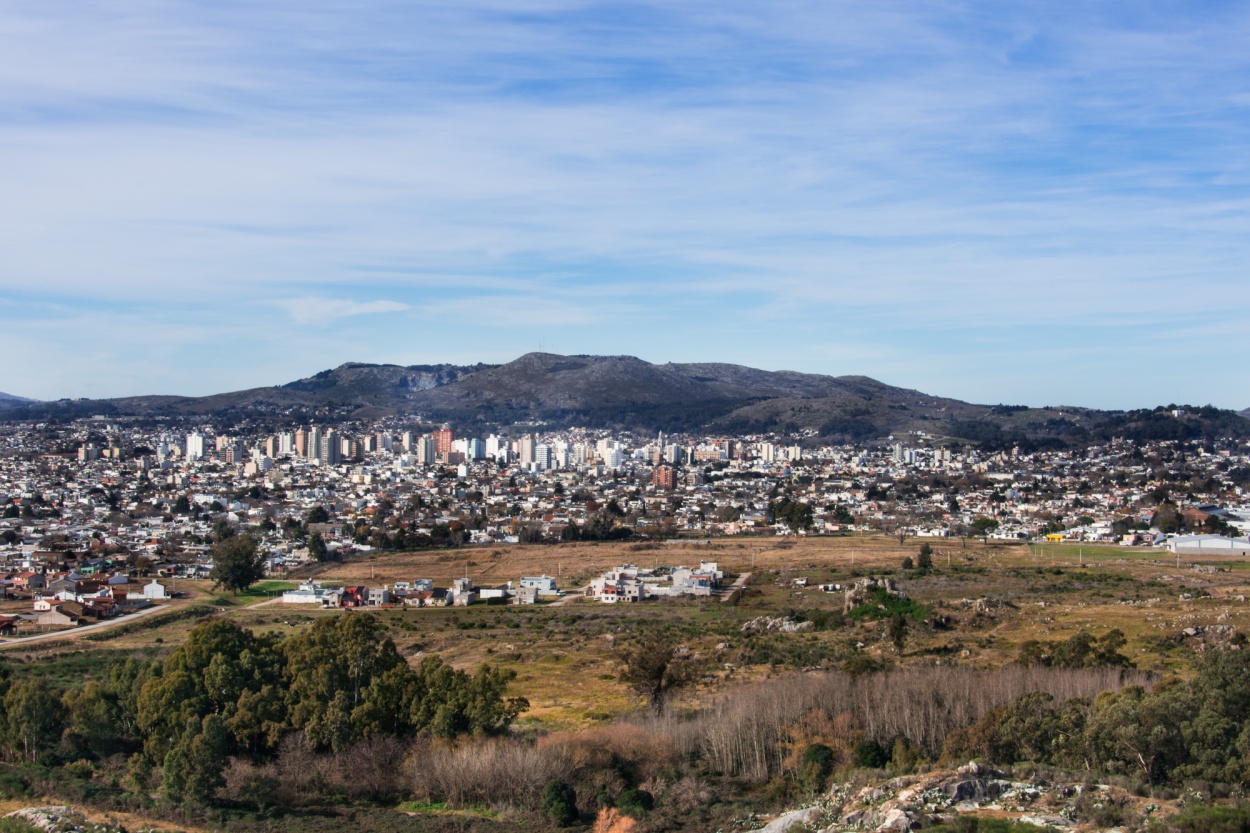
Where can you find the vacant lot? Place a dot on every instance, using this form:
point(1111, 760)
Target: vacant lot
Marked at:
point(974, 608)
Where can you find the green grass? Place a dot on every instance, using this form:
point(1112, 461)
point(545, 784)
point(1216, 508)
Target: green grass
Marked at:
point(883, 605)
point(70, 668)
point(442, 809)
point(258, 592)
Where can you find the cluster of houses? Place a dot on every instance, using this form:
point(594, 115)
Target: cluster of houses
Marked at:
point(422, 593)
point(630, 583)
point(67, 598)
point(626, 583)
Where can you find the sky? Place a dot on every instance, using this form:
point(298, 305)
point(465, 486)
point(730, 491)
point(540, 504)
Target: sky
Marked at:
point(1018, 202)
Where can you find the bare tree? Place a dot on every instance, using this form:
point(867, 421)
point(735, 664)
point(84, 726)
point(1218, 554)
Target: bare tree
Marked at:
point(654, 669)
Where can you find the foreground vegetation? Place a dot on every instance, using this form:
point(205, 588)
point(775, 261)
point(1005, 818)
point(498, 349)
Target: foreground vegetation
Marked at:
point(460, 719)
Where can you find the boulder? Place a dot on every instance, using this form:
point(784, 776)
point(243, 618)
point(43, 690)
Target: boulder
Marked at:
point(792, 819)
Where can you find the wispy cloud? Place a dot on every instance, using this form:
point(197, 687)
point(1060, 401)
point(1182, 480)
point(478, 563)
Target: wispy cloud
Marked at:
point(326, 310)
point(698, 180)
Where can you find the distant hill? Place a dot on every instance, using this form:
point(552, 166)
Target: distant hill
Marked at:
point(8, 400)
point(627, 392)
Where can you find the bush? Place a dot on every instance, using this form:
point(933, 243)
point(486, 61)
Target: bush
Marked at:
point(635, 802)
point(869, 754)
point(495, 772)
point(1208, 820)
point(815, 767)
point(559, 802)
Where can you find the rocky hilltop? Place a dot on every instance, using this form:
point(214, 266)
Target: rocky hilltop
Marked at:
point(627, 392)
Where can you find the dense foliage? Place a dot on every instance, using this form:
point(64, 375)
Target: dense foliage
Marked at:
point(1181, 730)
point(230, 693)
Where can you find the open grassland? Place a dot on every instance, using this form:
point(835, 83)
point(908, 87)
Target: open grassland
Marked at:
point(975, 608)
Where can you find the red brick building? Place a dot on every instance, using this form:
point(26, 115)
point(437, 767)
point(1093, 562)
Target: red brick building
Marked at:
point(663, 477)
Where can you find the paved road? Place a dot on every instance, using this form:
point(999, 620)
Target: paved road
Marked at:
point(570, 596)
point(738, 584)
point(76, 632)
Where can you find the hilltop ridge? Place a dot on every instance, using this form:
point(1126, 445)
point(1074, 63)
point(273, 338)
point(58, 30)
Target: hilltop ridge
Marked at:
point(628, 392)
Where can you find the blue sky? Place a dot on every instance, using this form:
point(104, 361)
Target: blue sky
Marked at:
point(1018, 202)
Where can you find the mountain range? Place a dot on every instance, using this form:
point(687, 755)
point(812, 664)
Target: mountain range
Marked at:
point(627, 392)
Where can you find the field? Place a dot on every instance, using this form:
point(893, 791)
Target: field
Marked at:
point(975, 608)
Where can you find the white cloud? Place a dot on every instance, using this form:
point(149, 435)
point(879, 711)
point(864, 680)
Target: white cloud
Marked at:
point(325, 310)
point(657, 174)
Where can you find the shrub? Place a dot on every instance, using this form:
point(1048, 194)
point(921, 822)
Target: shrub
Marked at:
point(869, 754)
point(815, 767)
point(559, 802)
point(635, 802)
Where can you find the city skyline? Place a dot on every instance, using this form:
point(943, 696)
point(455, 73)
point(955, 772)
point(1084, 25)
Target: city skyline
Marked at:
point(991, 202)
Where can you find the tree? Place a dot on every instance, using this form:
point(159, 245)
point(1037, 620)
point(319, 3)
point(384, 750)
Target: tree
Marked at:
point(924, 559)
point(193, 767)
point(237, 564)
point(984, 526)
point(815, 767)
point(1167, 519)
point(653, 669)
point(34, 717)
point(318, 515)
point(559, 802)
point(794, 514)
point(898, 631)
point(317, 547)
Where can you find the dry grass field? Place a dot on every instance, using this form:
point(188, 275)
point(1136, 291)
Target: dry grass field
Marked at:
point(565, 655)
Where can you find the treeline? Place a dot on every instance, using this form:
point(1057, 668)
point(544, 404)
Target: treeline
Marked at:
point(788, 735)
point(1179, 731)
point(228, 693)
point(750, 732)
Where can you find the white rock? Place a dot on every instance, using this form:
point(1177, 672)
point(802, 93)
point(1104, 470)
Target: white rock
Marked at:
point(783, 823)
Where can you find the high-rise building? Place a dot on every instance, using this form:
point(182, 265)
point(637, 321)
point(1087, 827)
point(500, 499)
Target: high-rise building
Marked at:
point(301, 443)
point(330, 450)
point(443, 439)
point(525, 453)
point(542, 456)
point(195, 445)
point(663, 477)
point(286, 443)
point(314, 441)
point(425, 452)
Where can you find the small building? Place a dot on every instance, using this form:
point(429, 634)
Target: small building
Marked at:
point(541, 585)
point(310, 593)
point(462, 592)
point(1208, 545)
point(155, 591)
